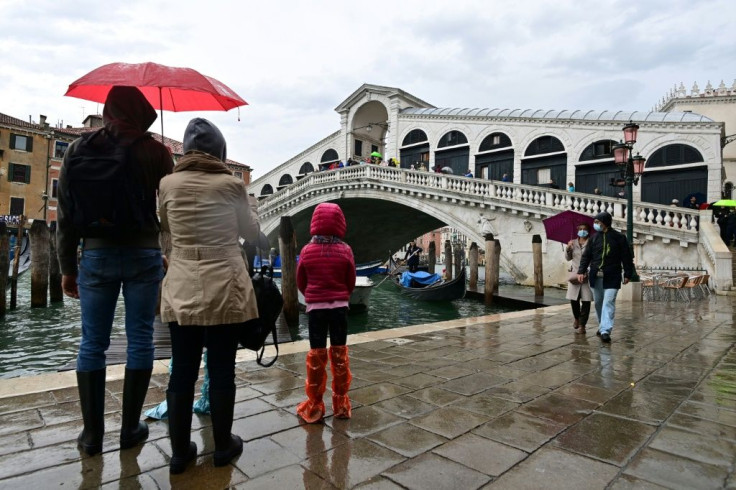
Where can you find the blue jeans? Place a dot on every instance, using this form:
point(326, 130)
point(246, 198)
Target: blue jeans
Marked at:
point(605, 306)
point(101, 274)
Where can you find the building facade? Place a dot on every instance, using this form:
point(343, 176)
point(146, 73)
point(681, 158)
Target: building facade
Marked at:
point(536, 147)
point(719, 104)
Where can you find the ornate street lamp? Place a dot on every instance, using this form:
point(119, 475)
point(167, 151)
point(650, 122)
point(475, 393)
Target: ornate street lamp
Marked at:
point(632, 167)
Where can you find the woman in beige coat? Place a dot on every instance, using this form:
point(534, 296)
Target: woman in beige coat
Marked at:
point(207, 293)
point(580, 295)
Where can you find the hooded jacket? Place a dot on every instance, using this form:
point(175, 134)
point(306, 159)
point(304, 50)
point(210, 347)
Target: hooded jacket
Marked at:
point(326, 269)
point(206, 209)
point(127, 115)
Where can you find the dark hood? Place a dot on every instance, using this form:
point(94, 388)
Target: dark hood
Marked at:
point(202, 135)
point(127, 113)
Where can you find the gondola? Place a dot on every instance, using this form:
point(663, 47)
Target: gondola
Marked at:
point(437, 290)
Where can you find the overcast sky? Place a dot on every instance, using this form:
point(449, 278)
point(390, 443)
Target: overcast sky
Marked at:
point(295, 61)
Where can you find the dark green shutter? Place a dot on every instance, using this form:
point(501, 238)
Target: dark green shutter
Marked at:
point(28, 174)
point(10, 172)
point(29, 146)
point(12, 142)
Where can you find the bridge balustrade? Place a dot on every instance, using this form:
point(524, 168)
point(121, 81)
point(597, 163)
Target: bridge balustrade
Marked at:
point(666, 218)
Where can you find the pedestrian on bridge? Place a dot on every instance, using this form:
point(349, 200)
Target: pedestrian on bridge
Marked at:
point(325, 275)
point(606, 254)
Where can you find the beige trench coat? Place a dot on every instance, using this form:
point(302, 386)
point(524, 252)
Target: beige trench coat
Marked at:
point(207, 282)
point(573, 290)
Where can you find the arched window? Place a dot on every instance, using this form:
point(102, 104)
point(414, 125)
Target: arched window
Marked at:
point(329, 156)
point(285, 180)
point(415, 136)
point(494, 142)
point(543, 145)
point(677, 154)
point(598, 150)
point(453, 138)
point(306, 168)
point(266, 190)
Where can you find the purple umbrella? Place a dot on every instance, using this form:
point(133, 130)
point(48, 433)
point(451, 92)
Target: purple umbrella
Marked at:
point(563, 227)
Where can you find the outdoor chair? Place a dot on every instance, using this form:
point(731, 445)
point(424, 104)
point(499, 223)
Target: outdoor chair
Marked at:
point(704, 286)
point(675, 285)
point(649, 286)
point(691, 286)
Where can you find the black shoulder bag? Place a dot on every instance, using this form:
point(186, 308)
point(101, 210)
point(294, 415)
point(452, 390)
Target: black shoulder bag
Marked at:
point(254, 332)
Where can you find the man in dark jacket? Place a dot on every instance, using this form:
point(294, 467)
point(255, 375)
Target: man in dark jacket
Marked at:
point(412, 257)
point(607, 253)
point(132, 261)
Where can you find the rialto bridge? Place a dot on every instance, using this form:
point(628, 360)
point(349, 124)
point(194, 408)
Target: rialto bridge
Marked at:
point(386, 207)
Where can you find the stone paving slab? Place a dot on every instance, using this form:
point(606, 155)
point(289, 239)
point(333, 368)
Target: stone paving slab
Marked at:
point(515, 400)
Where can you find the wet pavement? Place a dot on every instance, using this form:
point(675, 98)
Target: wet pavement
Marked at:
point(507, 401)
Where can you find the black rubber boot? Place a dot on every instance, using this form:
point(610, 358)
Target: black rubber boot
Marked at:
point(183, 450)
point(135, 387)
point(227, 445)
point(91, 385)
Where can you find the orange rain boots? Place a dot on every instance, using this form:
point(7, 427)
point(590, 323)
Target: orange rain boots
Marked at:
point(341, 377)
point(313, 408)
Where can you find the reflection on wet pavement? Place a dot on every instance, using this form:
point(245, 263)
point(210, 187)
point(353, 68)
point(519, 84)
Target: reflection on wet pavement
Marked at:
point(517, 401)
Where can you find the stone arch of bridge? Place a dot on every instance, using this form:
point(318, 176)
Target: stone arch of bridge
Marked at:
point(380, 222)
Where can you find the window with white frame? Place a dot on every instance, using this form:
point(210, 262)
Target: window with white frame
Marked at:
point(60, 148)
point(17, 206)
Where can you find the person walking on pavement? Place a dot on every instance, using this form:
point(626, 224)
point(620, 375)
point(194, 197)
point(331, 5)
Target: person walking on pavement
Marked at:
point(412, 256)
point(130, 259)
point(606, 254)
point(207, 293)
point(325, 275)
point(579, 292)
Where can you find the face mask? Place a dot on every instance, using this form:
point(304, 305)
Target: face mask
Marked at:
point(597, 227)
point(571, 189)
point(582, 233)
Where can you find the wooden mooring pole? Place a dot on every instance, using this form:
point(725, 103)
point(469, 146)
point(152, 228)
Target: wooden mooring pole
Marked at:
point(490, 272)
point(55, 292)
point(448, 258)
point(39, 236)
point(16, 264)
point(496, 265)
point(538, 273)
point(4, 265)
point(287, 245)
point(459, 254)
point(431, 257)
point(473, 265)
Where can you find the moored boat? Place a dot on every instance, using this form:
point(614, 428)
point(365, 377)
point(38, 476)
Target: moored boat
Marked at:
point(359, 298)
point(430, 287)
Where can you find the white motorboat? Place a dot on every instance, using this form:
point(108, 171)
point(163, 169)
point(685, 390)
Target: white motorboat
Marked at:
point(360, 296)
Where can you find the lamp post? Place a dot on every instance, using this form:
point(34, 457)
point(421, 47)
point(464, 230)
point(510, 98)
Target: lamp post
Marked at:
point(632, 167)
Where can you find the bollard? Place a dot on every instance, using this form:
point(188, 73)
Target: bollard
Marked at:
point(448, 258)
point(287, 245)
point(16, 264)
point(490, 272)
point(538, 276)
point(431, 257)
point(39, 236)
point(496, 265)
point(473, 265)
point(55, 292)
point(4, 265)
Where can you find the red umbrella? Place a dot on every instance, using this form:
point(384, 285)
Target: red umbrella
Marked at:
point(166, 87)
point(563, 227)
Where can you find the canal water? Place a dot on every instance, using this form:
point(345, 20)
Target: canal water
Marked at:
point(40, 340)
